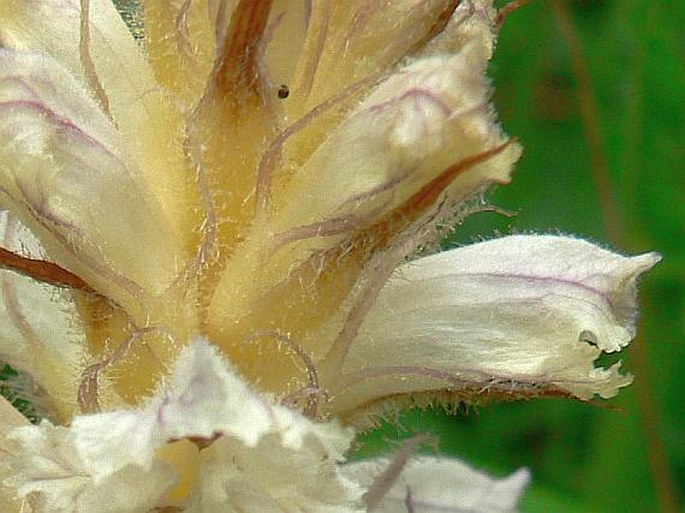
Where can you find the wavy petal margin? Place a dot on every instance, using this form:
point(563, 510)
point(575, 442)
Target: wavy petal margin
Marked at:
point(519, 314)
point(255, 453)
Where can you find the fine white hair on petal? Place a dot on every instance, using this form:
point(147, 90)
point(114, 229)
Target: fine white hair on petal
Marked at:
point(438, 485)
point(48, 466)
point(473, 22)
point(411, 127)
point(115, 452)
point(146, 121)
point(204, 398)
point(39, 329)
point(535, 311)
point(52, 27)
point(64, 170)
point(273, 477)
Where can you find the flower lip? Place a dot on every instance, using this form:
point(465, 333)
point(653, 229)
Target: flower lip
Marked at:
point(515, 313)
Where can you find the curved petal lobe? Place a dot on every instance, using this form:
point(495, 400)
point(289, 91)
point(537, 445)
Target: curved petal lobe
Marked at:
point(520, 313)
point(251, 454)
point(437, 485)
point(64, 172)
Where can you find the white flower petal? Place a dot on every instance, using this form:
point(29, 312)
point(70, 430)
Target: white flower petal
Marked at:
point(48, 465)
point(180, 42)
point(63, 172)
point(269, 457)
point(10, 418)
point(52, 27)
point(39, 329)
point(9, 503)
point(411, 128)
point(272, 477)
point(265, 454)
point(147, 118)
point(517, 313)
point(203, 399)
point(353, 39)
point(438, 485)
point(473, 22)
point(416, 127)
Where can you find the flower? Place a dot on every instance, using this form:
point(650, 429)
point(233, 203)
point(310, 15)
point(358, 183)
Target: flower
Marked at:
point(211, 239)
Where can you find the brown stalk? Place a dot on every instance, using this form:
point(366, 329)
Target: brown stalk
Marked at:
point(438, 25)
point(505, 11)
point(382, 484)
point(430, 192)
point(589, 112)
point(42, 271)
point(237, 75)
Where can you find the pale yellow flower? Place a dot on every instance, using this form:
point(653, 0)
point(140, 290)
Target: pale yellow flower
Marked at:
point(212, 239)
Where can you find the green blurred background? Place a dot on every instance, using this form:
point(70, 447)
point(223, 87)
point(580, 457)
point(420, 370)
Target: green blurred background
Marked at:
point(594, 90)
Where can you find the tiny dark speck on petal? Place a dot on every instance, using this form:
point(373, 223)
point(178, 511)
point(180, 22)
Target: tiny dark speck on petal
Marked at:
point(283, 92)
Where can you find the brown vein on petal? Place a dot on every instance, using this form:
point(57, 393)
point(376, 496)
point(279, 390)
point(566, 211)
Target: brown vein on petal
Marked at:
point(360, 18)
point(370, 7)
point(318, 27)
point(220, 22)
point(329, 279)
point(87, 395)
point(325, 228)
point(336, 270)
point(182, 33)
point(62, 277)
point(238, 71)
point(395, 222)
point(312, 404)
point(87, 61)
point(438, 25)
point(430, 192)
point(209, 246)
point(16, 315)
point(42, 271)
point(273, 154)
